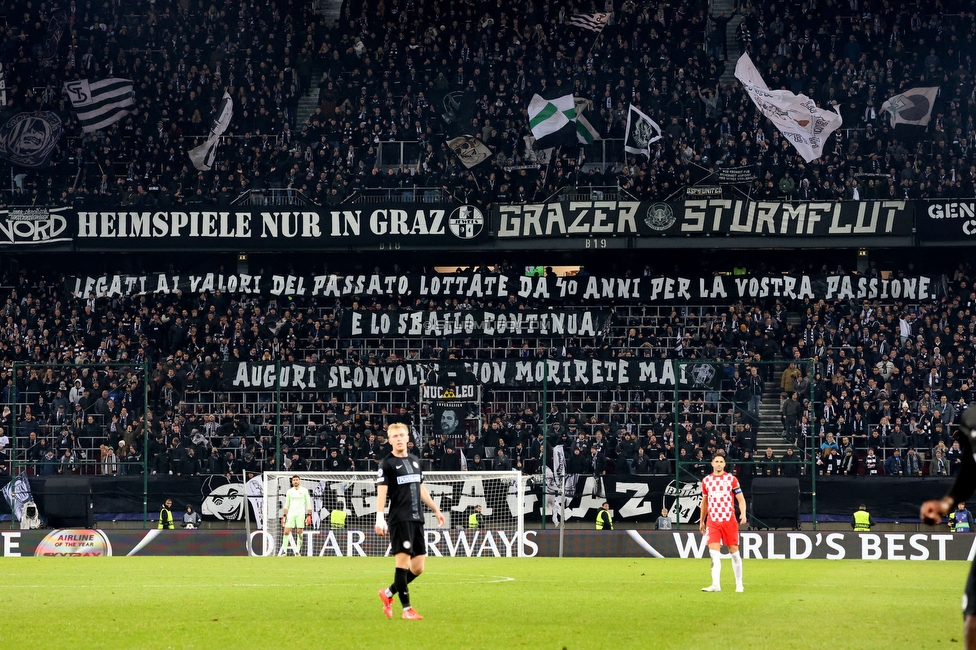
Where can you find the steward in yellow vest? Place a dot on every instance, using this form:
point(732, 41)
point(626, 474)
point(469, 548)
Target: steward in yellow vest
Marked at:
point(475, 519)
point(862, 522)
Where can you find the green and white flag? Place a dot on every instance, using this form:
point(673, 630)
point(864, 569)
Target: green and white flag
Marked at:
point(553, 121)
point(585, 132)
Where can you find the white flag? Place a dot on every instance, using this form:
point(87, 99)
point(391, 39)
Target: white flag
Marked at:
point(914, 106)
point(203, 156)
point(553, 121)
point(254, 489)
point(18, 494)
point(641, 132)
point(100, 103)
point(559, 460)
point(796, 116)
point(593, 22)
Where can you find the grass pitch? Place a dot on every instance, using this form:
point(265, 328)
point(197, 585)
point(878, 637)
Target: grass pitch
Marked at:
point(241, 603)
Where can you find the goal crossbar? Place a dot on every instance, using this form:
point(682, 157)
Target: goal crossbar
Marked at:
point(344, 513)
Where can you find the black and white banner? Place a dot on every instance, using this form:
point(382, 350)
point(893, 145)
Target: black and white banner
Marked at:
point(563, 373)
point(947, 221)
point(477, 286)
point(47, 53)
point(733, 217)
point(450, 380)
point(273, 229)
point(806, 219)
point(448, 417)
point(703, 191)
point(100, 103)
point(474, 324)
point(458, 392)
point(29, 139)
point(737, 175)
point(29, 226)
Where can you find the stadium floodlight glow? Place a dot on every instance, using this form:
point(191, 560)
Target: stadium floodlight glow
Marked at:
point(501, 495)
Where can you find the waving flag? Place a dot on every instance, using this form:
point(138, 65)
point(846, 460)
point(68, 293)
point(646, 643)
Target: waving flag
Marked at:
point(641, 132)
point(914, 106)
point(796, 116)
point(29, 139)
point(100, 103)
point(586, 133)
point(18, 494)
point(470, 150)
point(203, 156)
point(552, 121)
point(592, 22)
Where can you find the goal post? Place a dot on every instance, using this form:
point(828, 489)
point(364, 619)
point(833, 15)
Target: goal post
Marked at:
point(501, 533)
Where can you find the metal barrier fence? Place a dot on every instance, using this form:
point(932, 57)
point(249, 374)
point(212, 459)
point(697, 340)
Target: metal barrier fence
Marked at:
point(288, 429)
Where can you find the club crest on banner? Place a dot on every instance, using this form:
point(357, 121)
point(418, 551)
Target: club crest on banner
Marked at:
point(703, 374)
point(660, 217)
point(29, 139)
point(466, 222)
point(684, 503)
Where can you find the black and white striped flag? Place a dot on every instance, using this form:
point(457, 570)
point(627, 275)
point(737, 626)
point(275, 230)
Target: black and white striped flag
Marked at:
point(100, 103)
point(593, 22)
point(203, 157)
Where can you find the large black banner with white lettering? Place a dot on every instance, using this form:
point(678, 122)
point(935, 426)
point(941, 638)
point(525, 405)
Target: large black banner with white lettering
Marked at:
point(278, 228)
point(30, 228)
point(946, 221)
point(641, 497)
point(112, 228)
point(734, 217)
point(572, 373)
point(477, 286)
point(474, 323)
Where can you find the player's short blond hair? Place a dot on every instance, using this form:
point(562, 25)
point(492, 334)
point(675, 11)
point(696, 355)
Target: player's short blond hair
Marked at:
point(398, 426)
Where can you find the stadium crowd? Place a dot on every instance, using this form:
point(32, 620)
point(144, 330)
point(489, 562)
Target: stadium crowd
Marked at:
point(382, 71)
point(890, 381)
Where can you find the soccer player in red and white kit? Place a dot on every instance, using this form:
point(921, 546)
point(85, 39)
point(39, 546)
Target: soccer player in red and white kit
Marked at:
point(720, 491)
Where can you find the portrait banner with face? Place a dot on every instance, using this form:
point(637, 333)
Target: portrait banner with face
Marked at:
point(448, 418)
point(29, 139)
point(470, 150)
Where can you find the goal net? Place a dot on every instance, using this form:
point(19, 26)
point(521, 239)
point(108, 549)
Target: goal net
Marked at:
point(344, 513)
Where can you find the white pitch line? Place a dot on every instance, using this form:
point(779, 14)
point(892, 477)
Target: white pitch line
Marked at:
point(634, 535)
point(255, 585)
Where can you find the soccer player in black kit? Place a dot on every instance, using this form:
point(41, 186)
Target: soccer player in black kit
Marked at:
point(400, 476)
point(963, 487)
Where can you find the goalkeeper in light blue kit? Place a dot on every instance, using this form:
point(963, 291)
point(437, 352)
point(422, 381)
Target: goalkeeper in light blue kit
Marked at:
point(298, 508)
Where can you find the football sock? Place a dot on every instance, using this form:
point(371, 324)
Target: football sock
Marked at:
point(400, 581)
point(391, 591)
point(716, 566)
point(737, 567)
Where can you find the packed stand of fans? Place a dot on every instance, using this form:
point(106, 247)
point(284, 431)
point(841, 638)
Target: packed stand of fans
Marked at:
point(382, 71)
point(887, 377)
